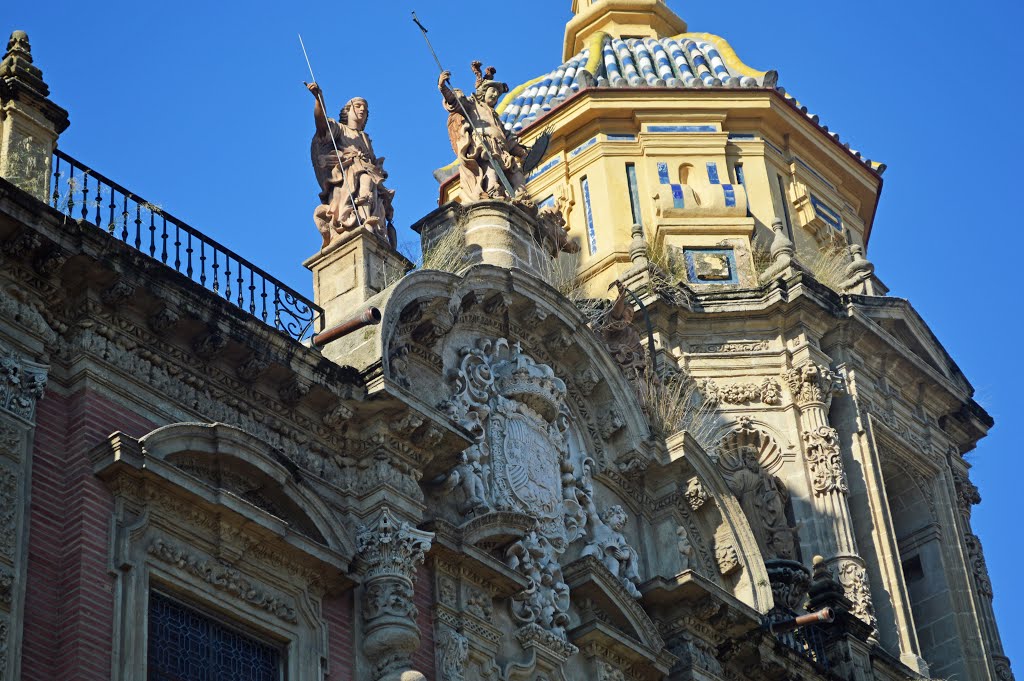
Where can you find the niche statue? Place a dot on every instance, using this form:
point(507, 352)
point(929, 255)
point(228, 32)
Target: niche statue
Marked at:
point(351, 177)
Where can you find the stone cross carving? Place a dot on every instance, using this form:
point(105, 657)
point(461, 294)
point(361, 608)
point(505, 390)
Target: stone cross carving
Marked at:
point(352, 192)
point(388, 553)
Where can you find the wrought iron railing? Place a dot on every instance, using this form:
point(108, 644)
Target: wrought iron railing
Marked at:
point(82, 193)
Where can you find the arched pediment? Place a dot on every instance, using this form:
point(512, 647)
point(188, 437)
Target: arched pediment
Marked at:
point(430, 317)
point(231, 461)
point(752, 587)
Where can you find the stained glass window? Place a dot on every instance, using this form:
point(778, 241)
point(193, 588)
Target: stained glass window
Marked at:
point(186, 645)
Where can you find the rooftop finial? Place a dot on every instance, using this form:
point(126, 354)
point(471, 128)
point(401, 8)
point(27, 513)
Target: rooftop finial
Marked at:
point(17, 64)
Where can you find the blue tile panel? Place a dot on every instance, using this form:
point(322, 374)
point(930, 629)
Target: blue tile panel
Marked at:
point(635, 62)
point(741, 136)
point(537, 172)
point(712, 172)
point(663, 173)
point(832, 218)
point(690, 256)
point(591, 234)
point(677, 190)
point(730, 195)
point(583, 147)
point(621, 137)
point(681, 128)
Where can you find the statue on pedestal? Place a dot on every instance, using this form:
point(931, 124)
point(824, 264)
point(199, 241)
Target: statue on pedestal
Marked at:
point(485, 150)
point(350, 174)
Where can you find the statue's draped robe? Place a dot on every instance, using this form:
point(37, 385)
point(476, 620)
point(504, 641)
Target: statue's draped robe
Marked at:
point(336, 188)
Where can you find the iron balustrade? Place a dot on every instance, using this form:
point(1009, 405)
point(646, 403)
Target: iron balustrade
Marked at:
point(82, 193)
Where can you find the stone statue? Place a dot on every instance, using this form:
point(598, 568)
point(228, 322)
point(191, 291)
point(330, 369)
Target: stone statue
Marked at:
point(352, 193)
point(685, 548)
point(621, 337)
point(468, 477)
point(481, 138)
point(763, 499)
point(609, 545)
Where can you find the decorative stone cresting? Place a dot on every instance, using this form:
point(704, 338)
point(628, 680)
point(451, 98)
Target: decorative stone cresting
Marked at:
point(21, 384)
point(389, 552)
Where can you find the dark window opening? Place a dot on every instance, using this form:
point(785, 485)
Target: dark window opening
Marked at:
point(187, 645)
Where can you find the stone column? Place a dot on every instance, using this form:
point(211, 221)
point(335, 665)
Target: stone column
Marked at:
point(29, 121)
point(811, 386)
point(966, 497)
point(389, 552)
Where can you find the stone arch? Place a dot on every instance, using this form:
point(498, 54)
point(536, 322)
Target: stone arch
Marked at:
point(732, 524)
point(231, 460)
point(557, 335)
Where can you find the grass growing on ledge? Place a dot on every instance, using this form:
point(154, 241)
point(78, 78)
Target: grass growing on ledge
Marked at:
point(447, 253)
point(562, 274)
point(675, 403)
point(828, 265)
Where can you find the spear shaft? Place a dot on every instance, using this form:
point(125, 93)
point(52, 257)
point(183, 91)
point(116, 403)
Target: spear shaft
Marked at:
point(490, 158)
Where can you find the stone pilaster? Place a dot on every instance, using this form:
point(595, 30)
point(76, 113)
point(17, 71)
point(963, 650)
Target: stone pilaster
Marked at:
point(21, 385)
point(29, 121)
point(389, 552)
point(811, 386)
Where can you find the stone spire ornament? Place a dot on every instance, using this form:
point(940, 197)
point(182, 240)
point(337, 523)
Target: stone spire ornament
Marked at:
point(29, 121)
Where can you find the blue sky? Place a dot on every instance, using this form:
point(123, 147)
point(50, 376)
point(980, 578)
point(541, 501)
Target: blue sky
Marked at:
point(200, 108)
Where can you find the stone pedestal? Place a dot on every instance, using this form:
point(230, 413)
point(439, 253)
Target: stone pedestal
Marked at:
point(351, 270)
point(29, 121)
point(496, 233)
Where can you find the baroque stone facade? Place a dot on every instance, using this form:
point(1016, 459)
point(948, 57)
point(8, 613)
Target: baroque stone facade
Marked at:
point(476, 471)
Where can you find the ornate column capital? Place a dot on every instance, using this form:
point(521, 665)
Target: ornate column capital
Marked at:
point(391, 548)
point(811, 384)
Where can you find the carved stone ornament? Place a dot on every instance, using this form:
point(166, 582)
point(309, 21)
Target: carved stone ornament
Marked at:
point(685, 547)
point(811, 383)
point(821, 446)
point(767, 391)
point(606, 672)
point(695, 493)
point(854, 579)
point(763, 498)
point(978, 566)
point(967, 494)
point(452, 654)
point(609, 546)
point(790, 581)
point(224, 578)
point(391, 547)
point(1003, 670)
point(388, 553)
point(521, 463)
point(21, 385)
